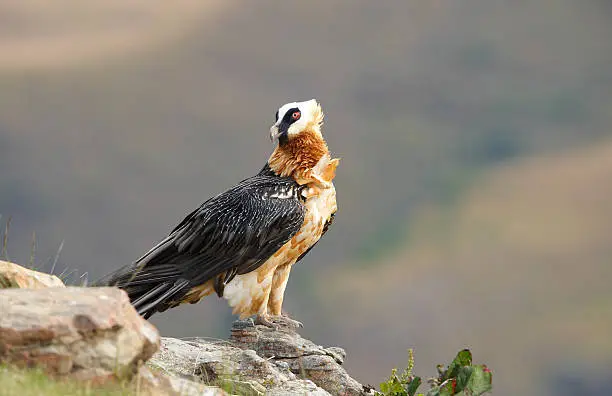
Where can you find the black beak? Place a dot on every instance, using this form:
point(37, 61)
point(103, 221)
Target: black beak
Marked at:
point(280, 133)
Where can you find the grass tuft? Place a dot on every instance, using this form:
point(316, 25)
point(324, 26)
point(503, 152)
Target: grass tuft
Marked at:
point(4, 254)
point(34, 382)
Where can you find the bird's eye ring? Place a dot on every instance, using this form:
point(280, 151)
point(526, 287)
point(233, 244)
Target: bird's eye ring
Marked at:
point(296, 115)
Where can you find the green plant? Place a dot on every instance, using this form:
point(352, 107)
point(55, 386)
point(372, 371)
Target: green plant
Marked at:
point(461, 378)
point(404, 385)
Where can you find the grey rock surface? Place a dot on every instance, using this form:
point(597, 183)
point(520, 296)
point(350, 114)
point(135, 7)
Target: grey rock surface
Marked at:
point(258, 360)
point(157, 383)
point(235, 370)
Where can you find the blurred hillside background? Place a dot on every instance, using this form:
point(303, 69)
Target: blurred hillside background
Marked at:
point(475, 189)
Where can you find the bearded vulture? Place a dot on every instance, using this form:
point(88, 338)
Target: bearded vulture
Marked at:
point(242, 243)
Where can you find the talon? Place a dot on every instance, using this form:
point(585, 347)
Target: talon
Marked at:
point(292, 322)
point(264, 320)
point(295, 323)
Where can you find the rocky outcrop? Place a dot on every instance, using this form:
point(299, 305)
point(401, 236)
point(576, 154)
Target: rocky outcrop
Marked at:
point(259, 360)
point(13, 275)
point(94, 334)
point(233, 369)
point(287, 348)
point(79, 332)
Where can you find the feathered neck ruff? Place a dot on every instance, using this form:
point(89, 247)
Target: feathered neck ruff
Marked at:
point(299, 156)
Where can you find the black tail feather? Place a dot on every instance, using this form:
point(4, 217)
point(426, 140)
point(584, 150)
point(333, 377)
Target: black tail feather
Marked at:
point(167, 293)
point(150, 289)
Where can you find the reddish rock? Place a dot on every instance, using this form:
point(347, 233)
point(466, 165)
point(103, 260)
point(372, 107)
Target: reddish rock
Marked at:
point(86, 333)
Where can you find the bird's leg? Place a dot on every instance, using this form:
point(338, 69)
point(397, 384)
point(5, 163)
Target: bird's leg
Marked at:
point(262, 317)
point(277, 292)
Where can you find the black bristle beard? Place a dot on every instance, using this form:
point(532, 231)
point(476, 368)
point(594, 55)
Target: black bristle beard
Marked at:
point(283, 138)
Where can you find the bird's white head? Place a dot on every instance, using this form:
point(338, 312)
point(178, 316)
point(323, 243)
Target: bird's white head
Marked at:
point(292, 119)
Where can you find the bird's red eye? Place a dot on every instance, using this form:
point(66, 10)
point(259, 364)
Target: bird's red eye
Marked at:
point(296, 115)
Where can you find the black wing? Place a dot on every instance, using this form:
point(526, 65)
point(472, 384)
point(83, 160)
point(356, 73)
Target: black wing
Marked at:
point(232, 233)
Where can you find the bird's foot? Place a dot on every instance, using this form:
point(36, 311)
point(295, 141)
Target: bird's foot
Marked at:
point(276, 321)
point(264, 320)
point(292, 322)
